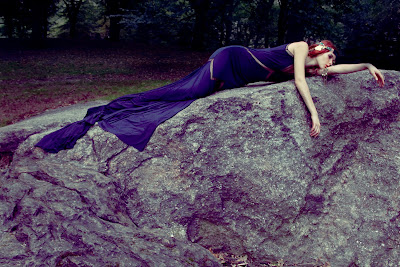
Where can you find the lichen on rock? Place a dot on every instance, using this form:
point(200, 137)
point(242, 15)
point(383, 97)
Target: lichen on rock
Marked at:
point(235, 173)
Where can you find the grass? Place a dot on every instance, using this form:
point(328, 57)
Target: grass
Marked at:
point(29, 99)
point(33, 81)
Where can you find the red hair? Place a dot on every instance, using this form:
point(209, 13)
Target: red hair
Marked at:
point(313, 53)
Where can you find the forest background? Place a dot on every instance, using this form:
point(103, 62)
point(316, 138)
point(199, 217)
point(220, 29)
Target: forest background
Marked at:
point(187, 30)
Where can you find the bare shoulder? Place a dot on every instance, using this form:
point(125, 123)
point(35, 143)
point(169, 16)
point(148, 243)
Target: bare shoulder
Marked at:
point(298, 47)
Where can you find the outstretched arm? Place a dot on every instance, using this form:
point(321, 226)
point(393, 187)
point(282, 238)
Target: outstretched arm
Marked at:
point(300, 54)
point(348, 68)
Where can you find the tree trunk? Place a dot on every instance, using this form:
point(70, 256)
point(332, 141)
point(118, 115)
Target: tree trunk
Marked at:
point(72, 8)
point(115, 28)
point(39, 13)
point(8, 10)
point(228, 21)
point(282, 21)
point(295, 29)
point(72, 26)
point(295, 23)
point(9, 26)
point(201, 8)
point(113, 9)
point(268, 20)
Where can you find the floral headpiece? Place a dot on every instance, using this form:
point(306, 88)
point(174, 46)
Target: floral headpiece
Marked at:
point(322, 46)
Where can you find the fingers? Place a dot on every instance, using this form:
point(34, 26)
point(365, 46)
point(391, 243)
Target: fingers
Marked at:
point(315, 130)
point(314, 133)
point(380, 79)
point(381, 83)
point(374, 74)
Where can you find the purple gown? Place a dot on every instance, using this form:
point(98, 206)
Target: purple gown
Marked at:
point(133, 118)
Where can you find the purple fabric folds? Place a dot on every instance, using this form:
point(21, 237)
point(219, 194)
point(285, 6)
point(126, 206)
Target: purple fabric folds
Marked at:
point(133, 118)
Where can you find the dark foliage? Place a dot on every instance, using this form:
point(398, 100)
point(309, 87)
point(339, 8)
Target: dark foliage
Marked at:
point(366, 30)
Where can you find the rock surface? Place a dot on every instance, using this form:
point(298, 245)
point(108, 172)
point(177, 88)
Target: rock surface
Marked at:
point(12, 135)
point(235, 172)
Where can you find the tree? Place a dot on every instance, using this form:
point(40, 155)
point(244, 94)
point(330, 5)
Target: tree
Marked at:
point(40, 10)
point(72, 8)
point(200, 8)
point(228, 20)
point(26, 18)
point(263, 23)
point(115, 10)
point(9, 11)
point(283, 19)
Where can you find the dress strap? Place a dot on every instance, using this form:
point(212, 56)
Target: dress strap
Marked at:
point(288, 51)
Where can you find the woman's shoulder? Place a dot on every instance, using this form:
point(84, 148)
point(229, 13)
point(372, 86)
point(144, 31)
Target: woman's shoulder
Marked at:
point(297, 46)
point(301, 44)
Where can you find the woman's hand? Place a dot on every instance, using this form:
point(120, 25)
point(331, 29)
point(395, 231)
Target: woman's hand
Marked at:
point(377, 75)
point(316, 126)
point(300, 52)
point(349, 68)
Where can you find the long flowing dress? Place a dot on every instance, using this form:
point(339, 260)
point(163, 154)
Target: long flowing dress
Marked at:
point(133, 118)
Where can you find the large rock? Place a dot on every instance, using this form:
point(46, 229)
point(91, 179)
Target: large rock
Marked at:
point(12, 135)
point(235, 173)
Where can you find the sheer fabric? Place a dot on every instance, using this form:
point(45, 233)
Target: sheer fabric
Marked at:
point(133, 118)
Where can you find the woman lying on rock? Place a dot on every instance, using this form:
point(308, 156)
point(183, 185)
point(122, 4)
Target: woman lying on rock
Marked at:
point(133, 118)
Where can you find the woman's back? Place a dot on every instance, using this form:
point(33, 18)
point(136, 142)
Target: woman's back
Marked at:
point(237, 66)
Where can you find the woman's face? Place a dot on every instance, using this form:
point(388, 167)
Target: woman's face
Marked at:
point(326, 59)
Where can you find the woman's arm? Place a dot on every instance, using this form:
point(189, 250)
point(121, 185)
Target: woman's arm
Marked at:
point(349, 68)
point(300, 52)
